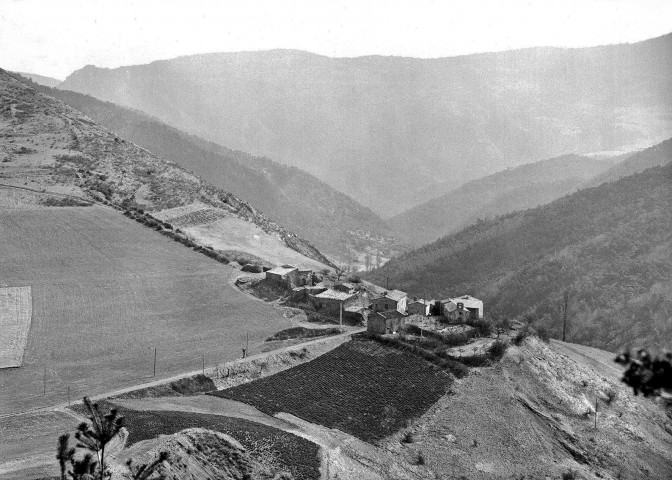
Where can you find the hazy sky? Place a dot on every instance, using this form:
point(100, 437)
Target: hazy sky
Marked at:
point(56, 37)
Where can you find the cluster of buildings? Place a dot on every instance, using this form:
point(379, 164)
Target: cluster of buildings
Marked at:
point(382, 310)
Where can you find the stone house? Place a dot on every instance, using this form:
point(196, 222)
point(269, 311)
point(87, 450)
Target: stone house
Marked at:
point(464, 307)
point(382, 323)
point(330, 301)
point(418, 306)
point(389, 300)
point(290, 276)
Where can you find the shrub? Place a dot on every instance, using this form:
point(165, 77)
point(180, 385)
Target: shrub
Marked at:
point(248, 267)
point(497, 350)
point(354, 279)
point(482, 326)
point(420, 459)
point(408, 438)
point(522, 334)
point(570, 475)
point(544, 334)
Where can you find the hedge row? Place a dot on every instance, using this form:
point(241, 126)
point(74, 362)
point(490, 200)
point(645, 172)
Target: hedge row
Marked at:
point(176, 234)
point(445, 363)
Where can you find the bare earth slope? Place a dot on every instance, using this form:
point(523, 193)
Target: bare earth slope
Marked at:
point(532, 416)
point(389, 131)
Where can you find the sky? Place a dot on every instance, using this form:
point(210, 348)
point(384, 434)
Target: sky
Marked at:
point(55, 38)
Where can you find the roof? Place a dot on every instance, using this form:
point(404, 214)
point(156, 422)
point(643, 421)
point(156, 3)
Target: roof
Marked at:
point(468, 301)
point(355, 308)
point(423, 302)
point(282, 270)
point(335, 295)
point(390, 314)
point(395, 295)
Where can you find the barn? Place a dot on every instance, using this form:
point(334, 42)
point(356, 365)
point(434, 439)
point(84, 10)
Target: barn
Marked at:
point(418, 306)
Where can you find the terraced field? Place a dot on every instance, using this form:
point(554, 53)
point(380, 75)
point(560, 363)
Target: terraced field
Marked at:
point(16, 308)
point(106, 292)
point(361, 388)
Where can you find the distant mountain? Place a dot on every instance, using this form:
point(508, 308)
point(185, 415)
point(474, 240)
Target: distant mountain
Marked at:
point(609, 246)
point(48, 147)
point(334, 222)
point(513, 189)
point(660, 154)
point(41, 79)
point(393, 132)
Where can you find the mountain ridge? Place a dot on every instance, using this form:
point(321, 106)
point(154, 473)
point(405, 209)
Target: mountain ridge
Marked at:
point(393, 132)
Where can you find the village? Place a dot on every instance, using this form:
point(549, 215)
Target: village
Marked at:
point(383, 311)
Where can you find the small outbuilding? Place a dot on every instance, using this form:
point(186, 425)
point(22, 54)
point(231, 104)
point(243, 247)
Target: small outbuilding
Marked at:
point(290, 276)
point(383, 323)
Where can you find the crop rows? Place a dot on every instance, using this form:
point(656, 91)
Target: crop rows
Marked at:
point(361, 387)
point(200, 217)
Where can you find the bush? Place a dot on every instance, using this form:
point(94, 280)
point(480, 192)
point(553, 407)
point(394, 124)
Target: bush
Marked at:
point(522, 334)
point(408, 438)
point(354, 279)
point(497, 350)
point(544, 334)
point(482, 326)
point(248, 267)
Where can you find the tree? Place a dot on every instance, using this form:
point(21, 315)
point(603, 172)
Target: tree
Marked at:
point(64, 453)
point(646, 374)
point(95, 436)
point(502, 325)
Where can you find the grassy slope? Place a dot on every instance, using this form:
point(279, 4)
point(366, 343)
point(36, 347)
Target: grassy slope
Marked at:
point(332, 221)
point(361, 388)
point(611, 246)
point(49, 145)
point(522, 187)
point(100, 280)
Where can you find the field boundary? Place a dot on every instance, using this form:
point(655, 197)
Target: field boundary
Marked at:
point(16, 314)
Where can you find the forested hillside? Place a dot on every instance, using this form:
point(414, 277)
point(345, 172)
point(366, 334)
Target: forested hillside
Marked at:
point(393, 132)
point(335, 223)
point(609, 247)
point(659, 154)
point(513, 189)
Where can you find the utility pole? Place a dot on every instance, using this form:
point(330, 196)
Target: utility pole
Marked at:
point(387, 282)
point(564, 316)
point(154, 374)
point(68, 395)
point(44, 382)
point(595, 413)
point(340, 319)
point(203, 358)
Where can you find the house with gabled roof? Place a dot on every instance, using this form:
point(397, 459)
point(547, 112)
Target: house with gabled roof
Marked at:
point(389, 300)
point(464, 306)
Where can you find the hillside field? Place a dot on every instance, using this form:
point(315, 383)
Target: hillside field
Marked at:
point(361, 388)
point(106, 292)
point(15, 314)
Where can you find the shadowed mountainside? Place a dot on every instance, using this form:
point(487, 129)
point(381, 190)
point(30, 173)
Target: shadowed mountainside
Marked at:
point(514, 189)
point(609, 246)
point(393, 132)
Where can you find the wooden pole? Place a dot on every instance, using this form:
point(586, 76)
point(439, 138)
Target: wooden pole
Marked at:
point(340, 319)
point(44, 382)
point(564, 317)
point(68, 395)
point(595, 413)
point(154, 374)
point(203, 358)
